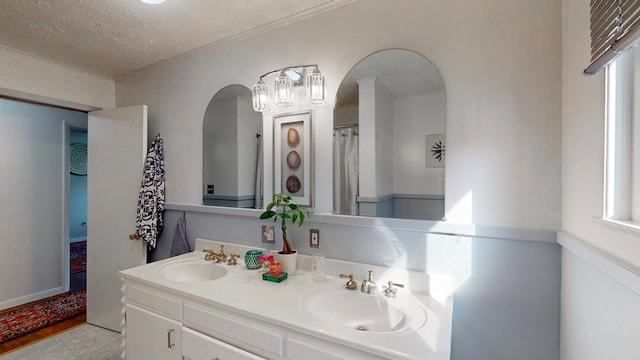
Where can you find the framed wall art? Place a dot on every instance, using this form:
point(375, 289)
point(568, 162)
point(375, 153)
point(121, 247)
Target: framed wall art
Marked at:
point(436, 150)
point(292, 156)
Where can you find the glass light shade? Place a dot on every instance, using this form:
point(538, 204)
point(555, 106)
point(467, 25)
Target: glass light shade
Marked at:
point(283, 90)
point(315, 87)
point(262, 96)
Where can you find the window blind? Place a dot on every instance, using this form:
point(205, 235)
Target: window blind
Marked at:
point(615, 27)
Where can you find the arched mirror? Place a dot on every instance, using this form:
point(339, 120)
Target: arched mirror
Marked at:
point(389, 125)
point(231, 156)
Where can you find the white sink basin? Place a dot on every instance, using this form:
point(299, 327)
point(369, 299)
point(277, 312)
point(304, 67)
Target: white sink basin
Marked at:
point(362, 312)
point(192, 271)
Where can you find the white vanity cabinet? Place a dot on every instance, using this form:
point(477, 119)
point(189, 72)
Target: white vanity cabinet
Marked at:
point(152, 336)
point(239, 316)
point(163, 326)
point(156, 327)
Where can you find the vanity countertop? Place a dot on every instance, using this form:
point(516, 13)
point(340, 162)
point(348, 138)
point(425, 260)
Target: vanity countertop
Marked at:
point(243, 291)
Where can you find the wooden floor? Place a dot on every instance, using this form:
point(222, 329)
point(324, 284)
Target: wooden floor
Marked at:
point(41, 334)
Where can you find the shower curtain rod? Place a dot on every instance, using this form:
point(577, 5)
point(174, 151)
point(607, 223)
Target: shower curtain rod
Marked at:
point(345, 126)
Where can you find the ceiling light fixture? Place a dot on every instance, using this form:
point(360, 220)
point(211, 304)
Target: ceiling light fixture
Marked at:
point(284, 88)
point(153, 1)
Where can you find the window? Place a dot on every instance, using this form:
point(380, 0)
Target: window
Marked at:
point(622, 153)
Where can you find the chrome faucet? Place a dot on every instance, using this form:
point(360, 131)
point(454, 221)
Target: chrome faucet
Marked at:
point(390, 290)
point(218, 257)
point(368, 286)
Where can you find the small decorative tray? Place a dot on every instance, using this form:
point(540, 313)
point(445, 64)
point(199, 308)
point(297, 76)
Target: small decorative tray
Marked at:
point(276, 279)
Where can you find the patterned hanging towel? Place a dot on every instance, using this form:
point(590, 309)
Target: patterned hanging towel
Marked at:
point(149, 220)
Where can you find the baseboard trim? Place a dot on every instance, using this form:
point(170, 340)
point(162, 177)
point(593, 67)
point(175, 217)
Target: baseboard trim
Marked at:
point(31, 297)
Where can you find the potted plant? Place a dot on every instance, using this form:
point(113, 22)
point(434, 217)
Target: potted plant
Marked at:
point(284, 209)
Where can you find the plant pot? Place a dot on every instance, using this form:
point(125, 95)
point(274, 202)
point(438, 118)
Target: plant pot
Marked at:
point(288, 261)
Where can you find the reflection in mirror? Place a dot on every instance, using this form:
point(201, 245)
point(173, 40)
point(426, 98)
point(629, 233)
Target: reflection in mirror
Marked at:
point(389, 124)
point(231, 146)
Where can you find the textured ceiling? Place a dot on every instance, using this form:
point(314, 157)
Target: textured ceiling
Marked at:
point(114, 37)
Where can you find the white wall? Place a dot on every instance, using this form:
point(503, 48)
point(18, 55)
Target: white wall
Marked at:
point(583, 144)
point(30, 78)
point(383, 134)
point(222, 130)
point(346, 115)
point(502, 74)
point(413, 118)
point(249, 124)
point(24, 76)
point(599, 315)
point(32, 205)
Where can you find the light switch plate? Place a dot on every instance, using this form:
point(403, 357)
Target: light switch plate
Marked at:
point(268, 234)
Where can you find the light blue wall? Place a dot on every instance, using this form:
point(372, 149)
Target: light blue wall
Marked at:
point(507, 299)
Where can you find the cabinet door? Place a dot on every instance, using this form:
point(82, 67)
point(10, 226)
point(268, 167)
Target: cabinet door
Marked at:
point(196, 346)
point(151, 336)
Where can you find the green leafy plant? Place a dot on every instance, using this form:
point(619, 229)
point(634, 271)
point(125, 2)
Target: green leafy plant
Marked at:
point(284, 209)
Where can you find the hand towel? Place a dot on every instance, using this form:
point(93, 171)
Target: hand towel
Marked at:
point(179, 244)
point(149, 219)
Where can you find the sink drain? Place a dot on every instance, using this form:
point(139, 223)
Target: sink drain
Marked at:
point(362, 328)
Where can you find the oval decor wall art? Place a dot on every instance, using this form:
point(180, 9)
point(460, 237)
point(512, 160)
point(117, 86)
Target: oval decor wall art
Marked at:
point(78, 159)
point(292, 156)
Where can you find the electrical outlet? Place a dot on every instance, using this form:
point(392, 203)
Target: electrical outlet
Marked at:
point(314, 238)
point(268, 234)
point(209, 189)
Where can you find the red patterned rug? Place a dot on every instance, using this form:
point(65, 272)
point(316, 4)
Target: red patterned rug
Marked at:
point(78, 256)
point(33, 316)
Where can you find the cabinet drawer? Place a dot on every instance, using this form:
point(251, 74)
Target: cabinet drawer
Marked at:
point(240, 332)
point(312, 349)
point(196, 346)
point(154, 301)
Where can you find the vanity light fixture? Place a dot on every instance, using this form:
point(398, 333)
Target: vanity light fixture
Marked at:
point(261, 94)
point(315, 87)
point(283, 90)
point(284, 86)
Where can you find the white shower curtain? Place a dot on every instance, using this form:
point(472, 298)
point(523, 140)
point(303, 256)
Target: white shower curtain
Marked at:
point(345, 172)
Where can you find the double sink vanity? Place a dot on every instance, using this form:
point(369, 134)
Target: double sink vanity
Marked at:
point(187, 307)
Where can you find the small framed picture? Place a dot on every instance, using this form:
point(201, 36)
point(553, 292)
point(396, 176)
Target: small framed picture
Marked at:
point(292, 156)
point(435, 151)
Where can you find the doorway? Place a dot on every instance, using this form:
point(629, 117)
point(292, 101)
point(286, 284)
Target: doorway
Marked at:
point(77, 199)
